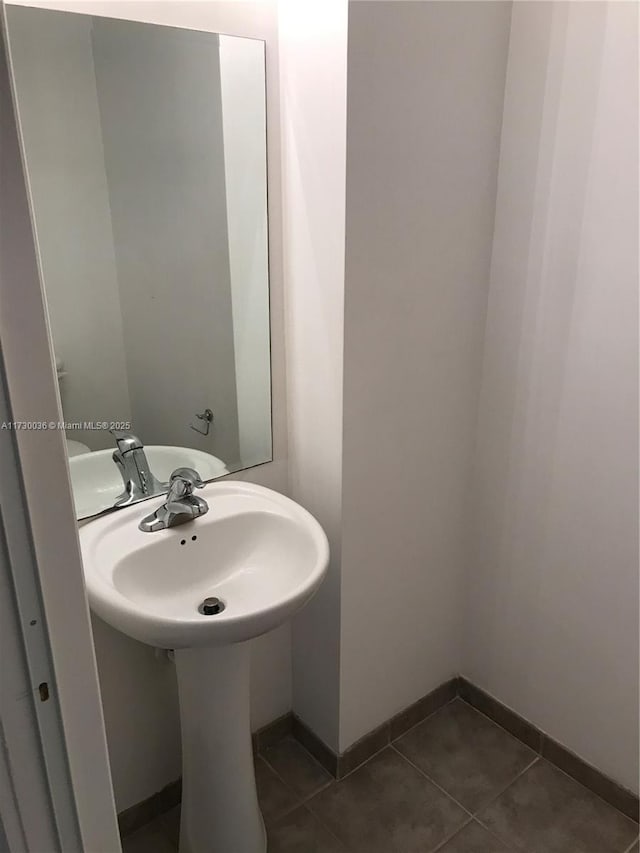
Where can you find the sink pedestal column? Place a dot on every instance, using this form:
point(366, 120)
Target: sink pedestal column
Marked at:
point(220, 812)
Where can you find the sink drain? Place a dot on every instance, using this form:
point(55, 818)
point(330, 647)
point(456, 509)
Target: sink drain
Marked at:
point(211, 607)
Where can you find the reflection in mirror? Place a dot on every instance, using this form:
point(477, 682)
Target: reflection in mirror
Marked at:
point(145, 149)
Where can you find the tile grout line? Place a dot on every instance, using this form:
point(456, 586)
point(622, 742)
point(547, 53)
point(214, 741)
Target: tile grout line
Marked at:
point(328, 829)
point(301, 801)
point(371, 757)
point(305, 803)
point(389, 742)
point(446, 840)
point(472, 815)
point(544, 736)
point(391, 745)
point(304, 799)
point(506, 787)
point(423, 720)
point(433, 782)
point(538, 752)
point(589, 790)
point(302, 747)
point(276, 774)
point(506, 842)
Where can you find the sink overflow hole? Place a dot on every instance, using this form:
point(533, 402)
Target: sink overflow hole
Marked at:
point(211, 607)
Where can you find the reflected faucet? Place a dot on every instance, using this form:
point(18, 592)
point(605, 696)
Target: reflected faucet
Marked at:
point(139, 482)
point(181, 504)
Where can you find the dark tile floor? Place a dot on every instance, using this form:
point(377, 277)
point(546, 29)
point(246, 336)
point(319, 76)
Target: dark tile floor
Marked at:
point(455, 783)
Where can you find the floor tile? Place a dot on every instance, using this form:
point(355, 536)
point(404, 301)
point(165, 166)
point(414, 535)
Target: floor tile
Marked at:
point(545, 810)
point(301, 832)
point(465, 753)
point(296, 767)
point(474, 838)
point(150, 839)
point(387, 806)
point(275, 797)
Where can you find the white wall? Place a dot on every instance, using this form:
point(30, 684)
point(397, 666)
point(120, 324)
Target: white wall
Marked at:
point(313, 42)
point(425, 93)
point(61, 127)
point(552, 608)
point(243, 121)
point(143, 679)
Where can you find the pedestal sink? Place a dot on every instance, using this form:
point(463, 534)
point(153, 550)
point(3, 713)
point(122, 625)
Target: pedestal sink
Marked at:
point(263, 557)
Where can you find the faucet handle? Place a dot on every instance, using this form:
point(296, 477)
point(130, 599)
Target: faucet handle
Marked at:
point(184, 481)
point(126, 440)
point(181, 504)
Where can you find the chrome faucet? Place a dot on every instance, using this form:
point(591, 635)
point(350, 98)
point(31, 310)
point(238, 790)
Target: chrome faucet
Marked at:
point(181, 504)
point(131, 460)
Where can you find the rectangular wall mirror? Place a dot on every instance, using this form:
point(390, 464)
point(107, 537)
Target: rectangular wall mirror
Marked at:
point(145, 149)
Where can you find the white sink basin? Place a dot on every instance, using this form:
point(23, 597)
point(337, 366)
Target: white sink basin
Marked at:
point(259, 552)
point(97, 483)
point(264, 557)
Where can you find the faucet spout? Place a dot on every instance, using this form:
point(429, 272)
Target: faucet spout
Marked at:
point(138, 479)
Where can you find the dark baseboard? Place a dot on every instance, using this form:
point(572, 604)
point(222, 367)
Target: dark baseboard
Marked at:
point(315, 746)
point(142, 813)
point(272, 732)
point(339, 765)
point(555, 753)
